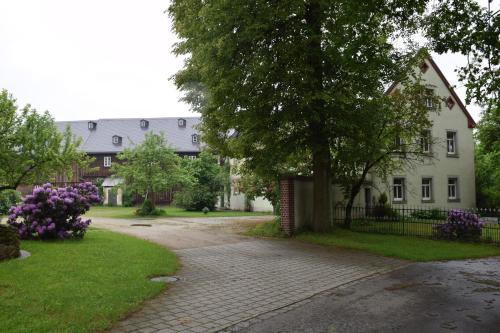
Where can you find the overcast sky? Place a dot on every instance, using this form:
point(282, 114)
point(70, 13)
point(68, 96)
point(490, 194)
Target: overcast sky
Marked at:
point(103, 59)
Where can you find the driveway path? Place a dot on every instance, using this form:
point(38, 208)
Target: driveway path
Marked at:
point(229, 279)
point(455, 296)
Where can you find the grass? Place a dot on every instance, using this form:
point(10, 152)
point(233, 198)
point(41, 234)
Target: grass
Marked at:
point(169, 211)
point(80, 285)
point(423, 228)
point(266, 229)
point(409, 248)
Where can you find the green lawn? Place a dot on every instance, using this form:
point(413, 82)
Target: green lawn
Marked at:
point(410, 248)
point(169, 211)
point(80, 285)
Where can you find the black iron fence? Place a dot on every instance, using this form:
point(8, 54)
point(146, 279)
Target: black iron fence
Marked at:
point(417, 222)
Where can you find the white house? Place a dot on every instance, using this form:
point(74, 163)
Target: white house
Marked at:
point(446, 180)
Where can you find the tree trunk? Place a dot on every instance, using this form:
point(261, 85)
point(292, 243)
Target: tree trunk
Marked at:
point(322, 183)
point(348, 213)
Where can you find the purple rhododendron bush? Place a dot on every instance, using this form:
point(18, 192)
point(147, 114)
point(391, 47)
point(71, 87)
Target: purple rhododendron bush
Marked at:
point(50, 213)
point(460, 225)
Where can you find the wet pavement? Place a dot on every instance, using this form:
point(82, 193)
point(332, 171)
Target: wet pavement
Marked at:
point(454, 296)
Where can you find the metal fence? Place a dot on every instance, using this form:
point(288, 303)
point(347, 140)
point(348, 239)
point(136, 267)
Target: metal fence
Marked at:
point(417, 222)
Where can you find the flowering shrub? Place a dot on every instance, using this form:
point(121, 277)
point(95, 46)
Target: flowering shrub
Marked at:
point(460, 225)
point(50, 213)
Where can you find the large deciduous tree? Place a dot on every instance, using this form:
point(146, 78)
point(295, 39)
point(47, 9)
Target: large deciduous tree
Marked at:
point(283, 73)
point(32, 150)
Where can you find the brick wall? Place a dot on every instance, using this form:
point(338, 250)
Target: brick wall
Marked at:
point(287, 205)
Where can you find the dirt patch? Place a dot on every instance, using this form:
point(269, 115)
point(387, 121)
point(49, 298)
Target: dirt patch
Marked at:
point(399, 286)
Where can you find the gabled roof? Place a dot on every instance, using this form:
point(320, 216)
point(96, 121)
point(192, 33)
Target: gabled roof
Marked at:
point(99, 140)
point(470, 121)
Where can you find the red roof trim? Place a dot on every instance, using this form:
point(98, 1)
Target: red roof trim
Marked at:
point(470, 121)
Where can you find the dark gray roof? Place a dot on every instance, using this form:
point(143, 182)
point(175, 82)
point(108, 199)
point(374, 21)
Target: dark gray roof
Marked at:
point(100, 139)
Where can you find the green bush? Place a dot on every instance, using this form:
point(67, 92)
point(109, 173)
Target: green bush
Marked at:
point(9, 242)
point(207, 185)
point(128, 198)
point(8, 198)
point(148, 209)
point(433, 214)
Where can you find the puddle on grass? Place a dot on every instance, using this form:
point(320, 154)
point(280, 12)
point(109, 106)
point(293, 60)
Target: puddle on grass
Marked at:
point(140, 225)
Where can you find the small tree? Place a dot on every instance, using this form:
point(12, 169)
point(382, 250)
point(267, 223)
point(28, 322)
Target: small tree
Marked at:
point(207, 185)
point(149, 167)
point(255, 186)
point(32, 150)
point(391, 137)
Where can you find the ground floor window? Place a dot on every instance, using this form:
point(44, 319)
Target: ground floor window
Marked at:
point(426, 189)
point(452, 188)
point(398, 189)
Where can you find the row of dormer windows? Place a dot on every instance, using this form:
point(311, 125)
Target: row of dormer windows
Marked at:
point(143, 123)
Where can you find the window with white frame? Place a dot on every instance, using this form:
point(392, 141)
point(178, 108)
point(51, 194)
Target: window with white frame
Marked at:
point(425, 141)
point(398, 189)
point(107, 161)
point(429, 103)
point(451, 142)
point(192, 157)
point(194, 138)
point(427, 189)
point(452, 188)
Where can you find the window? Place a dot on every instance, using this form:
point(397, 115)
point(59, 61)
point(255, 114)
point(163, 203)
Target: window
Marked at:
point(429, 103)
point(92, 125)
point(426, 189)
point(425, 141)
point(194, 138)
point(452, 188)
point(451, 142)
point(181, 122)
point(117, 139)
point(144, 123)
point(107, 161)
point(192, 157)
point(398, 189)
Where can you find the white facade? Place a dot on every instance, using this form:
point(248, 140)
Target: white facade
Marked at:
point(447, 179)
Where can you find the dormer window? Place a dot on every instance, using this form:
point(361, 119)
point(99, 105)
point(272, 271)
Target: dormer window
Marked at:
point(429, 102)
point(181, 122)
point(424, 67)
point(117, 140)
point(92, 125)
point(144, 123)
point(195, 138)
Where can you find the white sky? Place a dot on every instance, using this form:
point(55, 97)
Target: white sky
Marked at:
point(103, 59)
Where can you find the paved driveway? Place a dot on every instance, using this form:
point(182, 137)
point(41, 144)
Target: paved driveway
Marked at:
point(227, 279)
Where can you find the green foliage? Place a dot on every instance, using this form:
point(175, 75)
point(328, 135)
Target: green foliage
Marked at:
point(148, 209)
point(9, 242)
point(488, 159)
point(431, 214)
point(150, 167)
point(207, 184)
point(281, 81)
point(468, 28)
point(8, 198)
point(257, 186)
point(32, 149)
point(128, 198)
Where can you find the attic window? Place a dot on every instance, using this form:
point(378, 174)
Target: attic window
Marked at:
point(117, 140)
point(181, 122)
point(424, 67)
point(450, 103)
point(194, 138)
point(92, 125)
point(144, 123)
